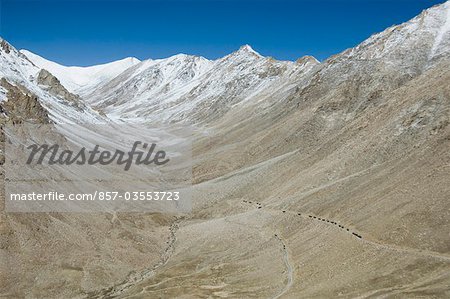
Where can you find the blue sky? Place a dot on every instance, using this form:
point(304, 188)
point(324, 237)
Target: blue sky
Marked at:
point(90, 32)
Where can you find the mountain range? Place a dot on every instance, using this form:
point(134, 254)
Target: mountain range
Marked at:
point(311, 179)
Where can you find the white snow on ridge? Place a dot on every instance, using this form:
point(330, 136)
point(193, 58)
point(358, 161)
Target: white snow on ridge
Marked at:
point(76, 79)
point(445, 29)
point(192, 88)
point(3, 94)
point(186, 88)
point(17, 69)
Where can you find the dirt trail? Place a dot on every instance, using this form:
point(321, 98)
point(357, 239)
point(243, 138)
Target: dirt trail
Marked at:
point(357, 235)
point(286, 259)
point(117, 290)
point(289, 269)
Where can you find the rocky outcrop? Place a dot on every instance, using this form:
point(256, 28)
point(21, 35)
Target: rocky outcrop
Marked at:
point(5, 46)
point(53, 86)
point(21, 106)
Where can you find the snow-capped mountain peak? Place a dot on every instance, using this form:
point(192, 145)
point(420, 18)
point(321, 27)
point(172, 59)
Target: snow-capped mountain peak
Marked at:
point(20, 75)
point(248, 49)
point(76, 79)
point(245, 51)
point(428, 33)
point(188, 88)
point(444, 31)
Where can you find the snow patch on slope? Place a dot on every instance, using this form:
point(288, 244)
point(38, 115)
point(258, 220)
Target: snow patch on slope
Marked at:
point(443, 31)
point(3, 97)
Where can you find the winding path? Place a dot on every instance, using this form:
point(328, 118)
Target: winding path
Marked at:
point(289, 270)
point(132, 280)
point(370, 241)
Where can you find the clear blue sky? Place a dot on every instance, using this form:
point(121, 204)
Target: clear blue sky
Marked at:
point(90, 32)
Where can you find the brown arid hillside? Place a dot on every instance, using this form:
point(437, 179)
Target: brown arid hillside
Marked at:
point(311, 180)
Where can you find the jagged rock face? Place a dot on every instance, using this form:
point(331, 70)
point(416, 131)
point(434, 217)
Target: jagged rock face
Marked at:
point(21, 106)
point(45, 78)
point(5, 46)
point(51, 84)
